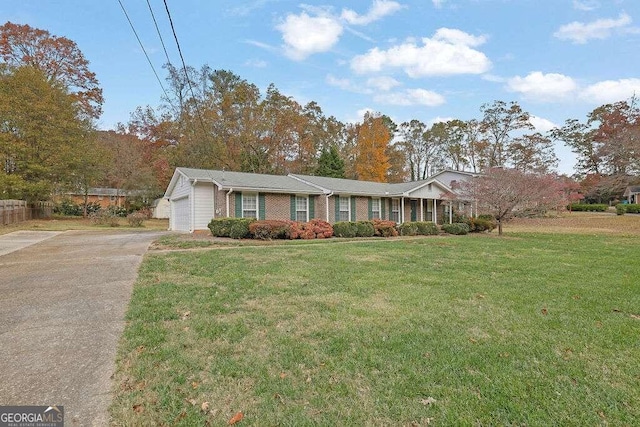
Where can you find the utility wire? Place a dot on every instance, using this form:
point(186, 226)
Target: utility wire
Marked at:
point(158, 31)
point(144, 50)
point(184, 67)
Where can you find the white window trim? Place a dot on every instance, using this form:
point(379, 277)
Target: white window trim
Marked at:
point(393, 212)
point(307, 207)
point(348, 208)
point(255, 195)
point(379, 211)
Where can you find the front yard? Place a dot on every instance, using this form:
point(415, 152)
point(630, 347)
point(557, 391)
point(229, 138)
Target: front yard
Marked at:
point(528, 329)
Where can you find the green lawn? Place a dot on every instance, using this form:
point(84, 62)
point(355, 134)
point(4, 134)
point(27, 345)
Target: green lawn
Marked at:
point(529, 329)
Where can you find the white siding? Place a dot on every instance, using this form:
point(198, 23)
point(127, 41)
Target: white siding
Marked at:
point(447, 177)
point(203, 205)
point(429, 191)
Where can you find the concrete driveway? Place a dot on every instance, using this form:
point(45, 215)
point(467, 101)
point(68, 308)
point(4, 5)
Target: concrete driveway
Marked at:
point(63, 298)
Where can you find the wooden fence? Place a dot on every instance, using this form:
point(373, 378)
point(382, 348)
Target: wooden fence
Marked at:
point(12, 211)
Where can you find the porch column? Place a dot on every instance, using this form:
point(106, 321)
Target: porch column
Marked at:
point(401, 210)
point(450, 212)
point(435, 211)
point(421, 209)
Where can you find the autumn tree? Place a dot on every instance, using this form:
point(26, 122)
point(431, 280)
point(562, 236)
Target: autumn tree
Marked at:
point(373, 137)
point(412, 142)
point(500, 120)
point(579, 137)
point(41, 136)
point(532, 153)
point(126, 168)
point(58, 58)
point(505, 193)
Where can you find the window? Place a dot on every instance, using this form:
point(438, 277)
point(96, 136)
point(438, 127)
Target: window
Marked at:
point(375, 208)
point(249, 205)
point(395, 210)
point(345, 213)
point(302, 208)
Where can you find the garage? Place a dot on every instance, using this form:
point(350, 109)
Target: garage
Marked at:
point(181, 214)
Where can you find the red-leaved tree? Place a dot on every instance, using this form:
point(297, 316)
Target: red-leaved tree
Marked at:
point(505, 193)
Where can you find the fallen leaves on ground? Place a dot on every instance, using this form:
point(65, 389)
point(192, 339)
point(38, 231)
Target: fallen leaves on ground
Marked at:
point(236, 418)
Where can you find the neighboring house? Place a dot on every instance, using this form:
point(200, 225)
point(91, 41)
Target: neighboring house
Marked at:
point(160, 208)
point(197, 195)
point(632, 194)
point(104, 196)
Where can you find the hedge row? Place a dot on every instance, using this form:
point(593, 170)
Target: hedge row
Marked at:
point(588, 207)
point(622, 208)
point(240, 228)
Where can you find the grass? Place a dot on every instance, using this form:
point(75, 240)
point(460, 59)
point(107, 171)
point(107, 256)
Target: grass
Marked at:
point(528, 329)
point(78, 223)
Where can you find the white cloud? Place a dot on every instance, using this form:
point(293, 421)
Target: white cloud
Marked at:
point(383, 83)
point(458, 37)
point(541, 124)
point(609, 91)
point(448, 52)
point(256, 63)
point(379, 9)
point(439, 119)
point(580, 33)
point(586, 5)
point(346, 84)
point(305, 35)
point(543, 87)
point(411, 97)
point(438, 3)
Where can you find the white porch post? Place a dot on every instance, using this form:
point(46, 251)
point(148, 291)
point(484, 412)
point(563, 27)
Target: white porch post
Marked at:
point(421, 209)
point(435, 211)
point(401, 210)
point(450, 212)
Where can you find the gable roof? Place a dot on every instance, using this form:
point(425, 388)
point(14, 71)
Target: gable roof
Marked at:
point(303, 184)
point(631, 190)
point(244, 181)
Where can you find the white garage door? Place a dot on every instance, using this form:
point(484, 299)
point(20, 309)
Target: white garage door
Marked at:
point(181, 214)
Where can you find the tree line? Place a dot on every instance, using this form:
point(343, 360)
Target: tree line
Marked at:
point(49, 100)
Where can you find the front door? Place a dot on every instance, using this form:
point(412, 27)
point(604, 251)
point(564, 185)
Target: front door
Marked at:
point(414, 210)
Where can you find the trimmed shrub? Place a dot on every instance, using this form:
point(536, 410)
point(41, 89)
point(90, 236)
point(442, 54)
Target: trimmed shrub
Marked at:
point(321, 229)
point(632, 208)
point(117, 211)
point(588, 207)
point(458, 228)
point(221, 227)
point(620, 209)
point(384, 228)
point(408, 229)
point(239, 230)
point(365, 229)
point(270, 229)
point(345, 229)
point(136, 219)
point(426, 228)
point(482, 223)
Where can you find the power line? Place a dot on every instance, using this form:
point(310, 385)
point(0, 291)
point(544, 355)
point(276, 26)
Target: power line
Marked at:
point(184, 67)
point(158, 31)
point(144, 50)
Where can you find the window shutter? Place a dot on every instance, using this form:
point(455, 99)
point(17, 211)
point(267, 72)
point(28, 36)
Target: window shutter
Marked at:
point(383, 205)
point(370, 208)
point(353, 208)
point(312, 207)
point(293, 208)
point(337, 200)
point(262, 209)
point(238, 205)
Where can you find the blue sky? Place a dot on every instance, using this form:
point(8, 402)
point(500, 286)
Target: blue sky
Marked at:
point(409, 59)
